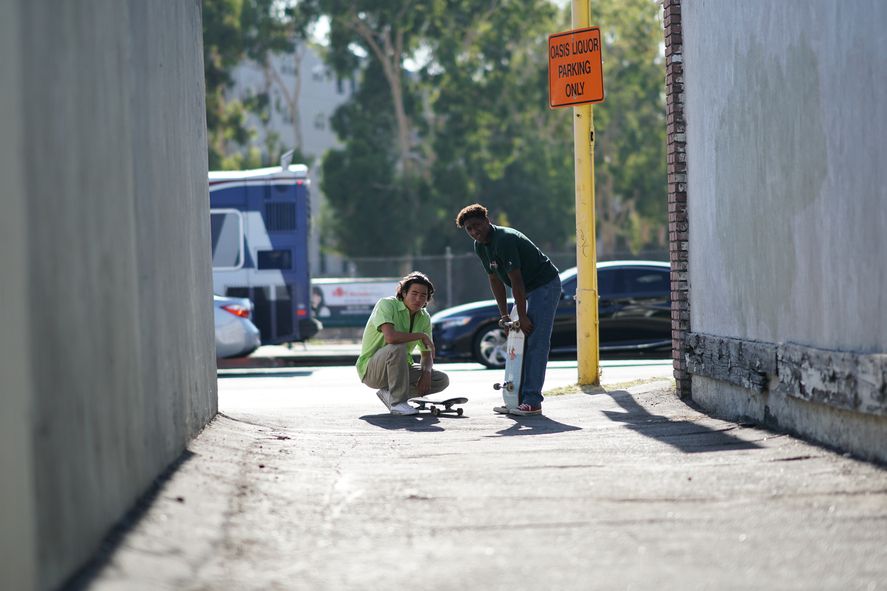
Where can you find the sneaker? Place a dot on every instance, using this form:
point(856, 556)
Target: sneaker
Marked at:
point(385, 396)
point(502, 410)
point(525, 409)
point(403, 408)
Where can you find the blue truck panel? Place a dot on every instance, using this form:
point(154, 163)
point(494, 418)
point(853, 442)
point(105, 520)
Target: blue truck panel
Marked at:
point(260, 223)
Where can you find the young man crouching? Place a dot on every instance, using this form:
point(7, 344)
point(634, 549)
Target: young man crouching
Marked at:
point(397, 325)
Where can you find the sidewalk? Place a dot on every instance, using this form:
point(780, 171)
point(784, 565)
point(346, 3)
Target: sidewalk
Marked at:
point(314, 488)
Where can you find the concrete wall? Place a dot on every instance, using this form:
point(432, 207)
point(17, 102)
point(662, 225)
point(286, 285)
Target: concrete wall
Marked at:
point(17, 542)
point(787, 189)
point(108, 366)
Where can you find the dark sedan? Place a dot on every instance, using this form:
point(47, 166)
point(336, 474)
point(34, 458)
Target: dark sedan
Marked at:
point(634, 313)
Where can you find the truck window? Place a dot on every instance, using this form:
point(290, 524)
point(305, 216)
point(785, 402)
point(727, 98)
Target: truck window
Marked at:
point(227, 238)
point(275, 259)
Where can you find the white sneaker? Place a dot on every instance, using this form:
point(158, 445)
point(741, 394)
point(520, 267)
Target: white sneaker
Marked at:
point(403, 408)
point(385, 396)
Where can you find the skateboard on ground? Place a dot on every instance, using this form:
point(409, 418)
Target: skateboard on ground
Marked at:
point(437, 406)
point(514, 361)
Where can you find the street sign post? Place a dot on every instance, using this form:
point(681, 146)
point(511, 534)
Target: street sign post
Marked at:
point(575, 72)
point(576, 79)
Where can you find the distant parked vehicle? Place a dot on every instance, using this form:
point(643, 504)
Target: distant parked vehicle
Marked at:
point(347, 301)
point(236, 335)
point(634, 314)
point(260, 221)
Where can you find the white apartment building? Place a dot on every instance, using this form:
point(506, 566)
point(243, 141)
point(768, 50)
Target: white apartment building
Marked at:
point(304, 94)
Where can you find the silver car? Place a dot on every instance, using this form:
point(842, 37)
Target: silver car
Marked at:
point(236, 335)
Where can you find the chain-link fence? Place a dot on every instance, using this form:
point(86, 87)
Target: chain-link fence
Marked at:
point(459, 277)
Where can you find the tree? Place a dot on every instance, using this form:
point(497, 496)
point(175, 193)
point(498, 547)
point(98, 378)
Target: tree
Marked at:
point(630, 171)
point(282, 31)
point(494, 138)
point(389, 32)
point(222, 50)
point(471, 123)
point(235, 30)
point(378, 37)
point(372, 208)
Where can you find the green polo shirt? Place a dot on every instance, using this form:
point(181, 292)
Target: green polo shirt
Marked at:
point(393, 311)
point(507, 250)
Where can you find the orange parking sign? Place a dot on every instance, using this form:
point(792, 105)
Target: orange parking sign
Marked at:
point(575, 68)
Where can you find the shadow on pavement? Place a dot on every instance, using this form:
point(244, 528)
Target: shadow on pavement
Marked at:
point(533, 425)
point(420, 422)
point(687, 436)
point(81, 580)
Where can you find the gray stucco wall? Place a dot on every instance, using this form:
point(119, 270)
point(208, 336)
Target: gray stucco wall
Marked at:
point(17, 543)
point(110, 368)
point(787, 115)
point(787, 197)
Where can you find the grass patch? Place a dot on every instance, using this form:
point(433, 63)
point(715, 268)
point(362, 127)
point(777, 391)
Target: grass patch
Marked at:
point(576, 388)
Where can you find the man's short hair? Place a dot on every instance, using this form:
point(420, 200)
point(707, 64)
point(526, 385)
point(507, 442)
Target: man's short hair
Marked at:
point(475, 210)
point(415, 277)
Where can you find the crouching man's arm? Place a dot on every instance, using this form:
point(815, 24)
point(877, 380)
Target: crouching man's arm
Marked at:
point(393, 337)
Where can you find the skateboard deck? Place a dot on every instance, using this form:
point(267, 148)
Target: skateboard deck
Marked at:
point(436, 406)
point(514, 362)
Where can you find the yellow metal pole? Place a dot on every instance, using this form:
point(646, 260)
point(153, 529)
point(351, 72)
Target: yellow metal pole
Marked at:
point(586, 257)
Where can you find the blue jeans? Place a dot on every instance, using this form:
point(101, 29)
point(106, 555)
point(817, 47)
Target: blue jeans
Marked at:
point(541, 307)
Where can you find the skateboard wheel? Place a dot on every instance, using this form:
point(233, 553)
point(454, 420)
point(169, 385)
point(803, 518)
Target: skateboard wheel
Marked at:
point(497, 386)
point(459, 412)
point(435, 411)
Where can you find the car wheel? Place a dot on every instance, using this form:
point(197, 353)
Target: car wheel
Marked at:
point(489, 346)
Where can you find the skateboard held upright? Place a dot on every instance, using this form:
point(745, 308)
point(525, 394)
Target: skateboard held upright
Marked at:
point(514, 361)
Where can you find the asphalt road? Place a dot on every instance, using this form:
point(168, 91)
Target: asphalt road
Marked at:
point(305, 482)
point(339, 385)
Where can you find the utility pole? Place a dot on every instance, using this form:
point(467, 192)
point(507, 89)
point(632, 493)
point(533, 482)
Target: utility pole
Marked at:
point(587, 342)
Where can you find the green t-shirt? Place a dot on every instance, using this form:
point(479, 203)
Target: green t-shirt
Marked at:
point(507, 250)
point(392, 311)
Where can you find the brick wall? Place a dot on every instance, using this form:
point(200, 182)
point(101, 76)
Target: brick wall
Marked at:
point(678, 226)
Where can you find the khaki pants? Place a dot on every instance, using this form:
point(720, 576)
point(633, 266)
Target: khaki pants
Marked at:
point(388, 368)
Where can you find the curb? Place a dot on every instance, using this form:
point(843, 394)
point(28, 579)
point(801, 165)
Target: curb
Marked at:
point(317, 359)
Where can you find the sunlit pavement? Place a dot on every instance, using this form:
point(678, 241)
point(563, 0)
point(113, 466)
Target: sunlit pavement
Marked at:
point(279, 388)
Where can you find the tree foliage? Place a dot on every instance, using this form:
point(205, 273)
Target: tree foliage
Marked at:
point(494, 139)
point(235, 30)
point(630, 167)
point(452, 108)
point(373, 213)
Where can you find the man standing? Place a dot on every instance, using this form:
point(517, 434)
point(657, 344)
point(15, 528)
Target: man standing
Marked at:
point(397, 325)
point(511, 259)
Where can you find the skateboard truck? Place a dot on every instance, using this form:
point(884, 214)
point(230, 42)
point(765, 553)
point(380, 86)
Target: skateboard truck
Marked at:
point(509, 324)
point(504, 385)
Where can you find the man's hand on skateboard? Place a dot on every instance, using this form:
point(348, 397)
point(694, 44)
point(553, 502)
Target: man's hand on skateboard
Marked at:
point(526, 324)
point(523, 324)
